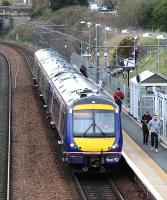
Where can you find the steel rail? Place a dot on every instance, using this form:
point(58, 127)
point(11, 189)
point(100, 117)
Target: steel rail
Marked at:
point(79, 187)
point(115, 189)
point(20, 50)
point(96, 188)
point(27, 54)
point(9, 140)
point(8, 157)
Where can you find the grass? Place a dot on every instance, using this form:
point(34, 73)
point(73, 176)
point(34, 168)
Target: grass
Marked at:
point(10, 1)
point(22, 33)
point(152, 63)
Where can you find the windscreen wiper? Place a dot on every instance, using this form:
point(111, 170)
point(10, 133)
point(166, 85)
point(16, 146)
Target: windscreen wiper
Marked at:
point(94, 125)
point(84, 134)
point(100, 130)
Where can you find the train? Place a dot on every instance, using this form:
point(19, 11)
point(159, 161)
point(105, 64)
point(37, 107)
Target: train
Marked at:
point(87, 121)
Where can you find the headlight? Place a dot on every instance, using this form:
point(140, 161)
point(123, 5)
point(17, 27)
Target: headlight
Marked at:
point(116, 110)
point(115, 146)
point(72, 145)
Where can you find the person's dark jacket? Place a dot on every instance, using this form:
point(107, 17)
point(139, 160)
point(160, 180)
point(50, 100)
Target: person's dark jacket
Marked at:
point(83, 70)
point(144, 120)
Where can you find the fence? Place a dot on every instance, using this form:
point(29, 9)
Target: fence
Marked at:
point(161, 110)
point(111, 81)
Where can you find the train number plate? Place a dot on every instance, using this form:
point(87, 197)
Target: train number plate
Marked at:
point(112, 160)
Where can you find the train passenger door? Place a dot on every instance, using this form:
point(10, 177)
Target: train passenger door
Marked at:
point(35, 69)
point(61, 120)
point(49, 96)
point(38, 75)
point(55, 110)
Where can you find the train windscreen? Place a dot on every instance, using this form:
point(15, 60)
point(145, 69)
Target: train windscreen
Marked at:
point(93, 123)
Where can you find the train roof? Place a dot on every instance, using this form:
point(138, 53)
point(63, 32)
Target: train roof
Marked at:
point(67, 79)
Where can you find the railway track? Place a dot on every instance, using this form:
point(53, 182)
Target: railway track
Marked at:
point(90, 187)
point(5, 119)
point(96, 187)
point(28, 55)
point(35, 173)
point(5, 137)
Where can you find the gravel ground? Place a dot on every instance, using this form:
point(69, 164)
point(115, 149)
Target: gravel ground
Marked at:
point(37, 170)
point(125, 182)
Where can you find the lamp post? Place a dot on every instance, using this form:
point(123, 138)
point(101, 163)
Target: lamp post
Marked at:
point(107, 29)
point(158, 61)
point(97, 52)
point(81, 51)
point(134, 48)
point(89, 24)
point(65, 48)
point(89, 54)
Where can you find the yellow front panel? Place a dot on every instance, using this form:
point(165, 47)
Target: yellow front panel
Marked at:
point(93, 107)
point(94, 144)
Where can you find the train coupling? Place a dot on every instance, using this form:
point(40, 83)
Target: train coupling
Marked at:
point(35, 81)
point(60, 142)
point(85, 169)
point(102, 169)
point(52, 124)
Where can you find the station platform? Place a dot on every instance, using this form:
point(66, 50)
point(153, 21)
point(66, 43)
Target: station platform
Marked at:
point(149, 166)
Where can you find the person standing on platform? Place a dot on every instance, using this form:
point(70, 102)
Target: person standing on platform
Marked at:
point(154, 127)
point(118, 97)
point(83, 70)
point(144, 120)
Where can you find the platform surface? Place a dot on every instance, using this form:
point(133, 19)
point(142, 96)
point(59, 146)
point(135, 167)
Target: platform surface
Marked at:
point(150, 167)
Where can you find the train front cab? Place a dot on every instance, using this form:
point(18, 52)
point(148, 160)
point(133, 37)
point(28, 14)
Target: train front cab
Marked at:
point(93, 135)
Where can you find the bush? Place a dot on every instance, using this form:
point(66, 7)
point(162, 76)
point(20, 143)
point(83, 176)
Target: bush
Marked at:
point(5, 3)
point(23, 32)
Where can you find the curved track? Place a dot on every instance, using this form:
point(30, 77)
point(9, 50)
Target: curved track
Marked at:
point(28, 55)
point(37, 171)
point(29, 184)
point(5, 110)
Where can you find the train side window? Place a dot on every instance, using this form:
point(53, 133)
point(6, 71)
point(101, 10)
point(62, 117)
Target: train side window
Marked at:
point(46, 89)
point(42, 82)
point(48, 94)
point(35, 68)
point(56, 109)
point(62, 123)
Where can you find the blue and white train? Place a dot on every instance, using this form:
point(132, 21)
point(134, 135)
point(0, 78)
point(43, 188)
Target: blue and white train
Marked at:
point(87, 121)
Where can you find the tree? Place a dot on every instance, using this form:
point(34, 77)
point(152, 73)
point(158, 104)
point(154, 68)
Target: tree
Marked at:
point(135, 12)
point(5, 3)
point(83, 2)
point(58, 4)
point(158, 17)
point(124, 51)
point(111, 4)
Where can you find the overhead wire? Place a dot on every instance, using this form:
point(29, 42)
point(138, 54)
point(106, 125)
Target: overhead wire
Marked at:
point(139, 64)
